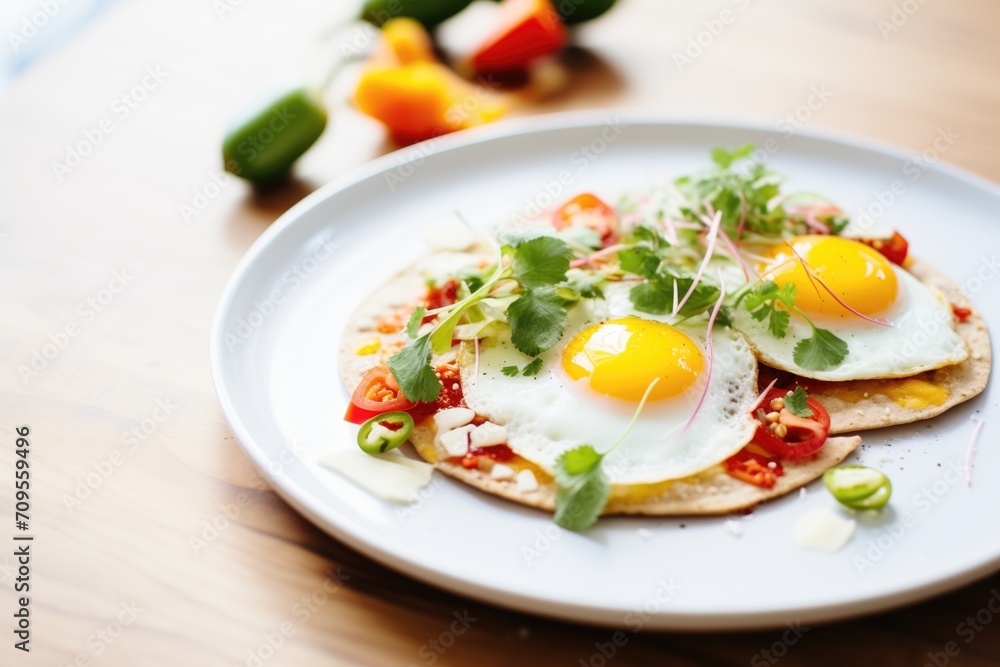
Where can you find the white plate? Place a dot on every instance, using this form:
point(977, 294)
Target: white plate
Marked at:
point(275, 370)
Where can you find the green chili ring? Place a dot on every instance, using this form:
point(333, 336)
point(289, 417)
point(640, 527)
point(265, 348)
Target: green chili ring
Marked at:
point(858, 487)
point(384, 432)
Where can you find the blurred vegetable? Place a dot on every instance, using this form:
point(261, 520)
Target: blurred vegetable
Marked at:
point(263, 148)
point(430, 13)
point(578, 11)
point(529, 29)
point(574, 12)
point(416, 96)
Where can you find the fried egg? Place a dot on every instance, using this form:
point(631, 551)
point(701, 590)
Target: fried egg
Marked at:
point(919, 335)
point(592, 381)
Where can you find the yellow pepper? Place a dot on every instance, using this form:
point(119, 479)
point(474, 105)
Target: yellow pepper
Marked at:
point(415, 95)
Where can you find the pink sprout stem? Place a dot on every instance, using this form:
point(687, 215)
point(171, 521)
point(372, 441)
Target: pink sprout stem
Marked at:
point(708, 353)
point(760, 399)
point(813, 276)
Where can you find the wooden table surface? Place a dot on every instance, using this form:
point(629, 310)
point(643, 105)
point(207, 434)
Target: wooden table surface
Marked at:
point(109, 291)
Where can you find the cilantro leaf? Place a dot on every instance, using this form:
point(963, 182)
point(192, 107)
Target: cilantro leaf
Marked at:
point(778, 324)
point(533, 368)
point(743, 191)
point(583, 488)
point(416, 318)
point(796, 403)
point(820, 351)
point(762, 302)
point(411, 367)
point(725, 159)
point(541, 261)
point(585, 282)
point(655, 297)
point(703, 297)
point(639, 260)
point(510, 371)
point(537, 320)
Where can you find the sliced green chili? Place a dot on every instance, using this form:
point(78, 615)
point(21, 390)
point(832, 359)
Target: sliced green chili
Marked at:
point(264, 147)
point(384, 432)
point(858, 487)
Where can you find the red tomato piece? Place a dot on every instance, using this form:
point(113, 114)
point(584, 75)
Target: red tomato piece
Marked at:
point(588, 210)
point(754, 469)
point(894, 249)
point(529, 29)
point(378, 392)
point(496, 452)
point(805, 435)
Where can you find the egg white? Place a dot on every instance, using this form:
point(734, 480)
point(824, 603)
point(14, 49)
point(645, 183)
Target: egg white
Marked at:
point(550, 413)
point(922, 337)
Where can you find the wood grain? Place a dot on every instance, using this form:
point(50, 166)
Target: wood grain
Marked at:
point(129, 542)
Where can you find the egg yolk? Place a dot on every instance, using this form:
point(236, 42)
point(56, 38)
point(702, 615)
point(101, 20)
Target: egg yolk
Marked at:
point(621, 357)
point(860, 276)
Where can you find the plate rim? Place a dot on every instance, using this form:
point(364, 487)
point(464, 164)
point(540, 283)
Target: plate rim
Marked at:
point(352, 532)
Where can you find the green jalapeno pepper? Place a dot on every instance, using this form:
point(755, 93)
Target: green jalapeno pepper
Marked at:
point(384, 432)
point(858, 487)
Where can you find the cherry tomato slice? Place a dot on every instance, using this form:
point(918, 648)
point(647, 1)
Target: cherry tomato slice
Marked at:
point(588, 210)
point(894, 249)
point(754, 468)
point(805, 436)
point(378, 392)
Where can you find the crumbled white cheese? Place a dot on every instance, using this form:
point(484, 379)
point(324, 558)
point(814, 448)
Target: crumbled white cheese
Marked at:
point(734, 527)
point(488, 434)
point(391, 475)
point(645, 534)
point(526, 482)
point(456, 441)
point(802, 492)
point(501, 471)
point(823, 529)
point(451, 418)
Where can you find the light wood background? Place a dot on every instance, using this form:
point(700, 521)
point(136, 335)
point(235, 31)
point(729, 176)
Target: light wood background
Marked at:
point(62, 240)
